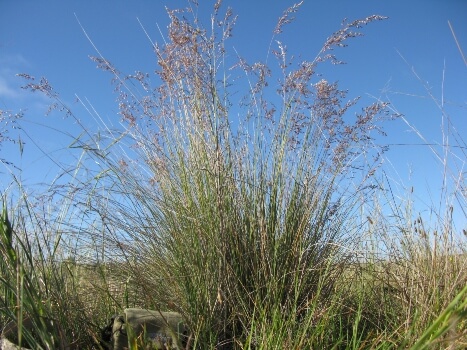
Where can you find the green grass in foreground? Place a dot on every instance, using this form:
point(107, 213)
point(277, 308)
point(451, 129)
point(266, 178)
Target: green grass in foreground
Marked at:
point(370, 305)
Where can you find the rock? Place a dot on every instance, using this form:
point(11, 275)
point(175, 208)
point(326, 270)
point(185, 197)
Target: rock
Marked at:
point(9, 339)
point(162, 329)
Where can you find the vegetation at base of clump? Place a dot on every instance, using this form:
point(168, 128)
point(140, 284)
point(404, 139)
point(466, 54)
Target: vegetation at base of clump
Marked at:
point(249, 226)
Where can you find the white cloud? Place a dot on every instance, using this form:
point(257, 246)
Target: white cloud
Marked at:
point(12, 96)
point(10, 85)
point(6, 90)
point(14, 60)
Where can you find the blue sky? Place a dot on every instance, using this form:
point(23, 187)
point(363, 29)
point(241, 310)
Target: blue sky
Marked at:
point(44, 38)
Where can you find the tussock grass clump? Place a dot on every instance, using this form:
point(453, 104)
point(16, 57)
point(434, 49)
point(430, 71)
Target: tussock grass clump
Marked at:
point(241, 224)
point(34, 289)
point(54, 302)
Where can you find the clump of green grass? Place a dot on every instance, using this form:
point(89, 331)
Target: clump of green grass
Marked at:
point(27, 291)
point(242, 226)
point(52, 302)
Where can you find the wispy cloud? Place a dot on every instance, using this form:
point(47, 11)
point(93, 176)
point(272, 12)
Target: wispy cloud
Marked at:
point(10, 88)
point(6, 90)
point(14, 60)
point(12, 96)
